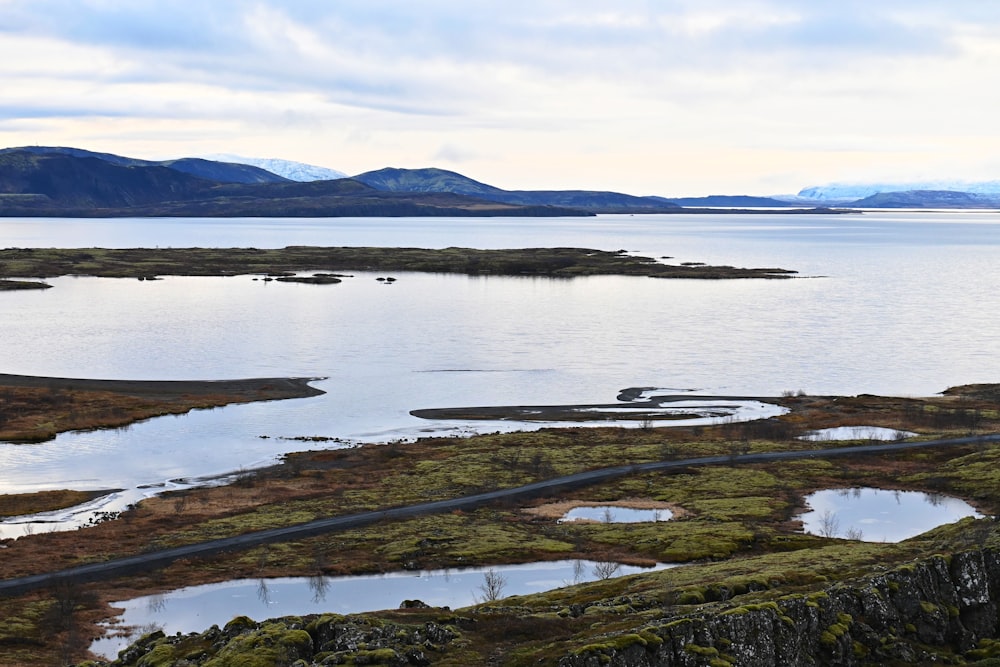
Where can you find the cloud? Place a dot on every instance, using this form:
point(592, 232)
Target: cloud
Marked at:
point(464, 82)
point(455, 154)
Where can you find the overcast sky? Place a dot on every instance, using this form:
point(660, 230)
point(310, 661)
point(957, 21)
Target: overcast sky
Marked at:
point(671, 97)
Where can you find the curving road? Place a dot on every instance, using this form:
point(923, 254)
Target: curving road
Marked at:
point(163, 557)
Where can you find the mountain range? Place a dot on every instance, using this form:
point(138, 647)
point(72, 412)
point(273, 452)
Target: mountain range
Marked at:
point(70, 182)
point(73, 182)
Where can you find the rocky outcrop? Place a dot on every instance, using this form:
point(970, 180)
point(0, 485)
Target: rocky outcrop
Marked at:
point(924, 611)
point(328, 640)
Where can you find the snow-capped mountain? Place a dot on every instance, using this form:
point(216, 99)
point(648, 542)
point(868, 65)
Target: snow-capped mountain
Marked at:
point(852, 191)
point(295, 171)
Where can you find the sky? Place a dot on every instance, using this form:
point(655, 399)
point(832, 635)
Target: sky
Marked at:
point(671, 97)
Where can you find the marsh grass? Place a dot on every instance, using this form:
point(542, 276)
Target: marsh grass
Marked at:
point(30, 414)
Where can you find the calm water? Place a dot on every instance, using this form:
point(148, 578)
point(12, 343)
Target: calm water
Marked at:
point(196, 608)
point(892, 303)
point(615, 514)
point(879, 515)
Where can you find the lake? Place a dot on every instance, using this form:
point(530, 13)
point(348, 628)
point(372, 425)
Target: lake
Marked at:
point(899, 303)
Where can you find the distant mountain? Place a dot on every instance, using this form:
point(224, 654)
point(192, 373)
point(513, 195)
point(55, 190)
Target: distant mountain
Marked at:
point(74, 183)
point(217, 171)
point(928, 199)
point(442, 180)
point(727, 201)
point(425, 180)
point(293, 171)
point(852, 191)
point(59, 180)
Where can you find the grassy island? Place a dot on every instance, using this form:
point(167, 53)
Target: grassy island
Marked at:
point(551, 262)
point(747, 560)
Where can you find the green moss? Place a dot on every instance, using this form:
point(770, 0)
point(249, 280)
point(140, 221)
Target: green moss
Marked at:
point(769, 606)
point(691, 597)
point(382, 656)
point(270, 644)
point(704, 651)
point(986, 648)
point(162, 655)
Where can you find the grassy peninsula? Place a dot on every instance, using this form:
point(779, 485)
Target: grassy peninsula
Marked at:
point(550, 262)
point(35, 409)
point(11, 285)
point(736, 533)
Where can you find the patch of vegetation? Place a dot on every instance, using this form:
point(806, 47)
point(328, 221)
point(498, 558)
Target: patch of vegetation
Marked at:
point(43, 501)
point(35, 409)
point(553, 262)
point(11, 285)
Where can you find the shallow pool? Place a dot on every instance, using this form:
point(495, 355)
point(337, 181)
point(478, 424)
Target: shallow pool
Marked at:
point(196, 608)
point(857, 433)
point(879, 515)
point(614, 514)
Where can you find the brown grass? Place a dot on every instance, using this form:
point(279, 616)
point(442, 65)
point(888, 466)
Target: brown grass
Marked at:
point(37, 409)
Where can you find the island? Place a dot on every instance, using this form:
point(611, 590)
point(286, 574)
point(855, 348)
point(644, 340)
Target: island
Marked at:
point(144, 263)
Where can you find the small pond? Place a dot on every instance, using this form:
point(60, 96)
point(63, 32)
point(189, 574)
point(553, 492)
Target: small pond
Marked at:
point(857, 433)
point(878, 515)
point(197, 608)
point(614, 514)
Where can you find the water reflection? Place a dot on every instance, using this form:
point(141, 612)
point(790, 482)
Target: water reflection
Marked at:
point(879, 515)
point(156, 446)
point(505, 341)
point(614, 514)
point(857, 433)
point(197, 608)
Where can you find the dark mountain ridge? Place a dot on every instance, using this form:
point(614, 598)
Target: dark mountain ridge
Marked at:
point(441, 180)
point(66, 181)
point(74, 183)
point(224, 172)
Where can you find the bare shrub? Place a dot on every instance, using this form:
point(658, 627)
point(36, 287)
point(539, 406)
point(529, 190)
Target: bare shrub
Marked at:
point(493, 585)
point(606, 569)
point(829, 524)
